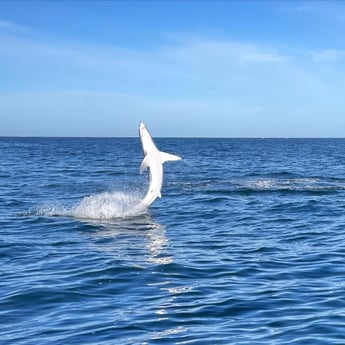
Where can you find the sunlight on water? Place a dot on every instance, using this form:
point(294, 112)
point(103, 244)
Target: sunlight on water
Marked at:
point(107, 205)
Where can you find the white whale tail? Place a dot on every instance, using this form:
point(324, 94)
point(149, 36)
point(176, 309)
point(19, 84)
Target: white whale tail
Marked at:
point(153, 161)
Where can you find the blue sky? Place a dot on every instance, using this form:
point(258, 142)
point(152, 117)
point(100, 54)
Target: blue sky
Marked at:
point(186, 68)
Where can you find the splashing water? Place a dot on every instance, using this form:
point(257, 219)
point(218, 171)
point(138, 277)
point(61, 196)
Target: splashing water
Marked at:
point(106, 205)
point(109, 205)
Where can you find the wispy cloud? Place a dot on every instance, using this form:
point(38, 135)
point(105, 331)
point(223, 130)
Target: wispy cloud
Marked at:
point(6, 25)
point(332, 11)
point(203, 80)
point(328, 55)
point(187, 65)
point(265, 57)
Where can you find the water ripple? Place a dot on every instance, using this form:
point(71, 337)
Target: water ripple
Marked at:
point(245, 247)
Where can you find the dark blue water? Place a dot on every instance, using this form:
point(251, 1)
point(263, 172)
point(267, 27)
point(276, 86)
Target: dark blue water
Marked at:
point(246, 246)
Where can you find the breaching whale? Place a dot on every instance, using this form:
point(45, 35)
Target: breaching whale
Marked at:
point(153, 161)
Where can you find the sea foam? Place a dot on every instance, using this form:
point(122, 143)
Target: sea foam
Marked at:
point(109, 205)
point(106, 205)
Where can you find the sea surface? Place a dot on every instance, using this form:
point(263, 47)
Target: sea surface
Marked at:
point(246, 245)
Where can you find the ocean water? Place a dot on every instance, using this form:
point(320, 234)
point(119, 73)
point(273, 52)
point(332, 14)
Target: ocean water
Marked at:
point(246, 245)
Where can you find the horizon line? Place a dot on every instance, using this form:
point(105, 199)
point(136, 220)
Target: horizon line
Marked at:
point(161, 137)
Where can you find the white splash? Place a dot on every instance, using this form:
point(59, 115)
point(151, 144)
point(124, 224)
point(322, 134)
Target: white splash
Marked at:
point(107, 205)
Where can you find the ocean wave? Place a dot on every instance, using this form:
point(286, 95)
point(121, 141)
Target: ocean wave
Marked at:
point(295, 184)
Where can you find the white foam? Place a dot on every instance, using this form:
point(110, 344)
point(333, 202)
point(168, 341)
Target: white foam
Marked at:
point(107, 205)
point(294, 184)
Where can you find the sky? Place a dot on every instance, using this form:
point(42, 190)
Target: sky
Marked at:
point(186, 68)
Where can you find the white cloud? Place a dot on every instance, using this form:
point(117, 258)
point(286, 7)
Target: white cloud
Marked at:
point(265, 57)
point(198, 86)
point(328, 55)
point(333, 11)
point(6, 25)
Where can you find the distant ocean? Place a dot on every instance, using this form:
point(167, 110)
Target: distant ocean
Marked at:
point(246, 245)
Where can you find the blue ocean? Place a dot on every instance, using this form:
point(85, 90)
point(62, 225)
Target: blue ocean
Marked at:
point(246, 245)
